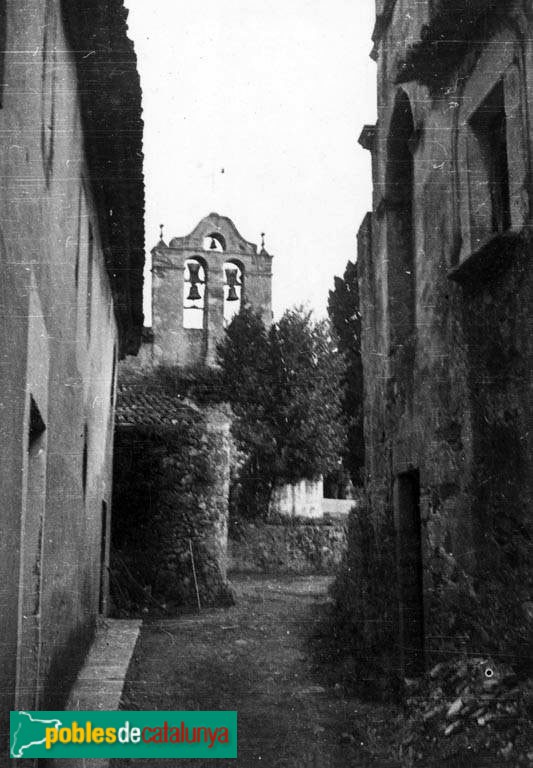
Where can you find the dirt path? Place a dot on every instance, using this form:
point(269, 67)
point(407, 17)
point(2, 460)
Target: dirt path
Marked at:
point(254, 658)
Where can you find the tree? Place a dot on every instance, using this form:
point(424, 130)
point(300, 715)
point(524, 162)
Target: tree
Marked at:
point(284, 386)
point(343, 309)
point(247, 384)
point(309, 428)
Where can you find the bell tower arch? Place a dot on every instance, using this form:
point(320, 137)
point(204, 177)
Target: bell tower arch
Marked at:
point(199, 282)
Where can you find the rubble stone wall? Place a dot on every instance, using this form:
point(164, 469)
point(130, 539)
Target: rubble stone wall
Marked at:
point(292, 548)
point(447, 397)
point(171, 496)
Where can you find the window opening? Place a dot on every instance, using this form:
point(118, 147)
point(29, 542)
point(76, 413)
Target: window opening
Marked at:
point(49, 86)
point(489, 171)
point(37, 425)
point(214, 242)
point(78, 249)
point(3, 40)
point(90, 256)
point(113, 377)
point(103, 560)
point(85, 460)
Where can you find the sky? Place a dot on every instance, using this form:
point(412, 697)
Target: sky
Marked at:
point(253, 110)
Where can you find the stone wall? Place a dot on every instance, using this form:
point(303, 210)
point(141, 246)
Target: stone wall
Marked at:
point(170, 496)
point(339, 507)
point(291, 547)
point(57, 364)
point(446, 306)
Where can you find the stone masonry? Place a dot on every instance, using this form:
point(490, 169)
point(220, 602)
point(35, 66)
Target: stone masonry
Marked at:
point(446, 302)
point(71, 265)
point(214, 243)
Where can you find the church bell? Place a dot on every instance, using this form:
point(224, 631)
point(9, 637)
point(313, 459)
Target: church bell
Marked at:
point(232, 282)
point(194, 279)
point(194, 293)
point(232, 294)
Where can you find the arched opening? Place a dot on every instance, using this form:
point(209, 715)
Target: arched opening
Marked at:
point(233, 289)
point(194, 291)
point(214, 242)
point(400, 238)
point(489, 168)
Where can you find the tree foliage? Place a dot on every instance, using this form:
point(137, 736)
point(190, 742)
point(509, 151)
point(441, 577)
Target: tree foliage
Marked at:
point(284, 386)
point(345, 316)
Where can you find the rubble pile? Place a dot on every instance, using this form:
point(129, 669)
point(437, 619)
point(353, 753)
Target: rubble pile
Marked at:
point(475, 710)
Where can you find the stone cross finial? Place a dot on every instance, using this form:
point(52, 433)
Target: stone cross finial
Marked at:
point(161, 226)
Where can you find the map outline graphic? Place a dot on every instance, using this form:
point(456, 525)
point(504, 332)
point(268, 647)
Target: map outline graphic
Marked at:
point(16, 751)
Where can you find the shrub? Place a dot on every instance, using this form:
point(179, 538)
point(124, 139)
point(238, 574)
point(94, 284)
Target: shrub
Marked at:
point(364, 613)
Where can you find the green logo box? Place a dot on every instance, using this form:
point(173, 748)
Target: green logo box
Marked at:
point(123, 734)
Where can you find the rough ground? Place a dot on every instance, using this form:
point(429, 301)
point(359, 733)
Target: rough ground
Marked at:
point(256, 658)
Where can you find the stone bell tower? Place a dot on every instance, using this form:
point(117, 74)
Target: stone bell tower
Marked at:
point(198, 283)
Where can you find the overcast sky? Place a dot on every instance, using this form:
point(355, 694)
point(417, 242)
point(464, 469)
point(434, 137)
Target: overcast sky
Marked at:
point(274, 94)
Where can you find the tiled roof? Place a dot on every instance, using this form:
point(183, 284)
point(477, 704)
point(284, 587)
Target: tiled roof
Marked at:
point(140, 402)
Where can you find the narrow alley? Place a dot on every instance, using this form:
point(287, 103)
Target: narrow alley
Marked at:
point(266, 301)
point(256, 658)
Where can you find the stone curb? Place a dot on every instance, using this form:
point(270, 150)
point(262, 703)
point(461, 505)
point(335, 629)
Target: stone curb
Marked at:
point(100, 682)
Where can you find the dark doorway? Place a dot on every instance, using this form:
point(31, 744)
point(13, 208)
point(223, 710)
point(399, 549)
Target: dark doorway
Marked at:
point(104, 564)
point(409, 569)
point(32, 538)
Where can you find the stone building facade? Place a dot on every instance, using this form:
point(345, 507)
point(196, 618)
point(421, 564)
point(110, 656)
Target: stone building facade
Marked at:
point(72, 254)
point(227, 271)
point(446, 302)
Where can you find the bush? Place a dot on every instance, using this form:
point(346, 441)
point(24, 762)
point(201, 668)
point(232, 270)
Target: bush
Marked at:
point(364, 613)
point(467, 615)
point(478, 615)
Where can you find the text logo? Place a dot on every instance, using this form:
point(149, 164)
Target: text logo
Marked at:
point(123, 734)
